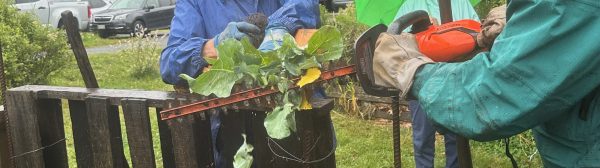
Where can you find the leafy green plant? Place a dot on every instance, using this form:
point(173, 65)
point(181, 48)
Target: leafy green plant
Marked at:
point(31, 51)
point(241, 62)
point(345, 21)
point(145, 50)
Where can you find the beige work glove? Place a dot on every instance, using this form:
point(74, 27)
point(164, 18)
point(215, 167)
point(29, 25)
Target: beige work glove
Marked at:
point(396, 61)
point(492, 26)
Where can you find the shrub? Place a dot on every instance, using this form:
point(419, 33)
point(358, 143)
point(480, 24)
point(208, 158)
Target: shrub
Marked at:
point(345, 21)
point(147, 51)
point(30, 51)
point(485, 6)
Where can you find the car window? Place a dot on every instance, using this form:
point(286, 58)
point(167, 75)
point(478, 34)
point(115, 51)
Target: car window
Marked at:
point(25, 1)
point(164, 2)
point(152, 3)
point(96, 3)
point(127, 4)
point(173, 2)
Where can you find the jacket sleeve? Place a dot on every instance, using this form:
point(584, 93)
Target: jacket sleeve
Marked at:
point(540, 67)
point(183, 52)
point(296, 14)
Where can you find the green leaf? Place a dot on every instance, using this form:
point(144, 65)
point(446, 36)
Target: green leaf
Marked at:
point(243, 157)
point(326, 44)
point(221, 77)
point(249, 70)
point(250, 55)
point(283, 86)
point(218, 82)
point(211, 60)
point(308, 63)
point(280, 121)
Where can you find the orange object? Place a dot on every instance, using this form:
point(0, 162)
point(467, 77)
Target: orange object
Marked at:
point(303, 35)
point(450, 41)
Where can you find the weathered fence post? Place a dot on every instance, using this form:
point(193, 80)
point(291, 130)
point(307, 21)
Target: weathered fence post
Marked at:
point(4, 136)
point(139, 135)
point(52, 132)
point(105, 133)
point(166, 142)
point(182, 138)
point(89, 78)
point(24, 130)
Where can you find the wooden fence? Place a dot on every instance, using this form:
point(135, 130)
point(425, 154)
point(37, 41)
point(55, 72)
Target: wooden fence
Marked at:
point(37, 132)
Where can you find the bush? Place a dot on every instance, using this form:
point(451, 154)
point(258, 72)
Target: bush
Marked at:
point(30, 51)
point(345, 21)
point(147, 51)
point(485, 6)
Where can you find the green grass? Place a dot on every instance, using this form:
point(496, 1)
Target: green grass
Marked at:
point(90, 39)
point(361, 143)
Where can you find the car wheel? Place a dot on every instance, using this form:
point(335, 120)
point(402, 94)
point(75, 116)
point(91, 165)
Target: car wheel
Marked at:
point(139, 29)
point(104, 34)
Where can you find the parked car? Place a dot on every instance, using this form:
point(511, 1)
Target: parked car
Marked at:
point(334, 5)
point(49, 11)
point(99, 5)
point(136, 17)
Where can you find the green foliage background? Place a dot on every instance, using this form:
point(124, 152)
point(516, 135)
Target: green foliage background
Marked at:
point(31, 51)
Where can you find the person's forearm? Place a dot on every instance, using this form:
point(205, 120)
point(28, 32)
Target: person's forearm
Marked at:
point(182, 56)
point(296, 14)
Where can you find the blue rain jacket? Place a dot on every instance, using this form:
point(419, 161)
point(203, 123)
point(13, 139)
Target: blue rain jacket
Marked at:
point(197, 21)
point(540, 68)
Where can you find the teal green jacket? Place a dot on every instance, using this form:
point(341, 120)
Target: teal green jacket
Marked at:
point(461, 9)
point(543, 64)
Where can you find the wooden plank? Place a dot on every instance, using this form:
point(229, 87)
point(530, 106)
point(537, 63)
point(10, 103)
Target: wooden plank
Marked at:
point(166, 143)
point(81, 133)
point(262, 155)
point(306, 134)
point(89, 78)
point(53, 133)
point(325, 138)
point(154, 98)
point(139, 135)
point(24, 129)
point(3, 140)
point(182, 137)
point(105, 133)
point(202, 137)
point(229, 135)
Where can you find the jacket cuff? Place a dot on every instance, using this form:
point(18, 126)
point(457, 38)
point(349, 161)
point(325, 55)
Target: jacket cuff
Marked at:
point(288, 23)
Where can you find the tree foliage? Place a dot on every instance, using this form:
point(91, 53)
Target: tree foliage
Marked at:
point(30, 50)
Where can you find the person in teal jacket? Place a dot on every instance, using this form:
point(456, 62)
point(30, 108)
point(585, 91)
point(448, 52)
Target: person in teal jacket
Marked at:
point(423, 130)
point(541, 73)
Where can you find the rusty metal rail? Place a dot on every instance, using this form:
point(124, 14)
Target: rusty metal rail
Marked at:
point(238, 97)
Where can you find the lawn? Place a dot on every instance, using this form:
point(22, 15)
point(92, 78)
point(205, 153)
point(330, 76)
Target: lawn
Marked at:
point(361, 143)
point(91, 39)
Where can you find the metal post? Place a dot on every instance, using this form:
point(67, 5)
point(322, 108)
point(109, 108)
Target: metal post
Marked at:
point(396, 130)
point(445, 10)
point(462, 143)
